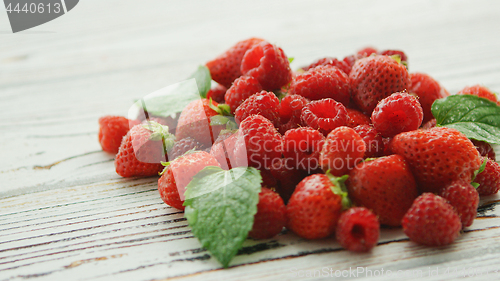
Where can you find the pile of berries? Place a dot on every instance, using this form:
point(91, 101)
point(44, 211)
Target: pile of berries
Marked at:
point(343, 146)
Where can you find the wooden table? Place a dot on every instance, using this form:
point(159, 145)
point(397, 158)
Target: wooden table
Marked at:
point(66, 215)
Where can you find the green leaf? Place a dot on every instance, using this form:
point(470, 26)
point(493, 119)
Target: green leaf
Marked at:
point(203, 80)
point(290, 60)
point(475, 117)
point(167, 101)
point(220, 208)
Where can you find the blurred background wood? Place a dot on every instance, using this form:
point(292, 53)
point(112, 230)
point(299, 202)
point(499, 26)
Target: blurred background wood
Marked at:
point(64, 213)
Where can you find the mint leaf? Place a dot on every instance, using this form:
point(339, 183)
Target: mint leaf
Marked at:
point(220, 207)
point(475, 117)
point(203, 80)
point(167, 101)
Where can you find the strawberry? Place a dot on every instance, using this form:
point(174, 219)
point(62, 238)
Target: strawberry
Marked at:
point(324, 81)
point(480, 91)
point(263, 103)
point(427, 90)
point(489, 179)
point(223, 150)
point(431, 221)
point(343, 148)
point(437, 156)
point(178, 173)
point(376, 77)
point(356, 118)
point(324, 115)
point(399, 112)
point(241, 90)
point(270, 217)
point(258, 143)
point(464, 198)
point(182, 146)
point(194, 122)
point(314, 209)
point(112, 129)
point(142, 150)
point(385, 185)
point(268, 64)
point(403, 57)
point(358, 229)
point(227, 67)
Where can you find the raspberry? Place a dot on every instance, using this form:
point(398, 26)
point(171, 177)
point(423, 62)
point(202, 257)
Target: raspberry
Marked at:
point(401, 54)
point(373, 140)
point(358, 229)
point(287, 174)
point(431, 221)
point(270, 217)
point(268, 180)
point(367, 51)
point(263, 103)
point(313, 210)
point(376, 77)
point(342, 65)
point(400, 112)
point(227, 67)
point(112, 129)
point(480, 91)
point(290, 110)
point(241, 90)
point(464, 198)
point(268, 64)
point(303, 146)
point(217, 93)
point(429, 124)
point(489, 179)
point(356, 118)
point(324, 115)
point(343, 148)
point(258, 139)
point(324, 81)
point(427, 90)
point(484, 149)
point(182, 146)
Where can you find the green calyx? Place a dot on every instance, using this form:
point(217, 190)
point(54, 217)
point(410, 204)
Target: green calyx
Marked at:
point(221, 109)
point(340, 189)
point(160, 132)
point(477, 172)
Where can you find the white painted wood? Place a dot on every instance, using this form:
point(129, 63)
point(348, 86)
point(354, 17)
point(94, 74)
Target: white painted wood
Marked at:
point(65, 214)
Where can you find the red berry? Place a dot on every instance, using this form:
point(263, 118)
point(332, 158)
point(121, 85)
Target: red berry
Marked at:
point(356, 118)
point(385, 185)
point(377, 77)
point(223, 150)
point(324, 115)
point(373, 140)
point(427, 90)
point(342, 65)
point(227, 67)
point(401, 54)
point(367, 51)
point(313, 210)
point(270, 217)
point(263, 103)
point(431, 221)
point(139, 155)
point(464, 198)
point(241, 90)
point(343, 148)
point(303, 145)
point(399, 112)
point(182, 146)
point(324, 81)
point(429, 124)
point(489, 179)
point(485, 149)
point(258, 143)
point(288, 175)
point(268, 64)
point(290, 110)
point(177, 175)
point(480, 91)
point(217, 93)
point(194, 122)
point(358, 229)
point(112, 129)
point(437, 156)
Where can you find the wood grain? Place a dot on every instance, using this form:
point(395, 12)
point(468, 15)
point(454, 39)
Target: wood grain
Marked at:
point(65, 214)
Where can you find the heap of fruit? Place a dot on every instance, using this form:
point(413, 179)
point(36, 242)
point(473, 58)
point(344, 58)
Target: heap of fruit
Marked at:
point(338, 147)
